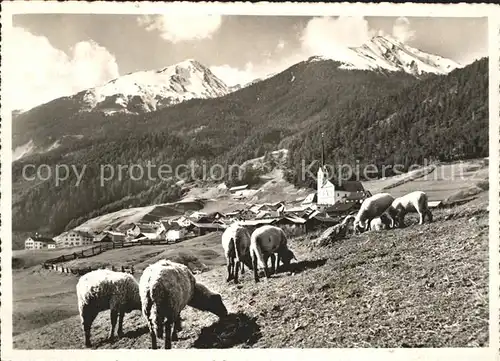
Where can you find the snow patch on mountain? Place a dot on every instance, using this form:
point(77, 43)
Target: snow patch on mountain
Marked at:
point(23, 150)
point(146, 91)
point(386, 52)
point(256, 80)
point(31, 148)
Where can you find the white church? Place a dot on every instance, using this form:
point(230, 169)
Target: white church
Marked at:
point(344, 192)
point(330, 194)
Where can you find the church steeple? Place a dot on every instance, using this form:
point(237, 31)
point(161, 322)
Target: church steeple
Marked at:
point(322, 151)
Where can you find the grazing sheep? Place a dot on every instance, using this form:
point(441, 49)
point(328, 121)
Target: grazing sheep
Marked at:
point(102, 290)
point(236, 245)
point(372, 207)
point(409, 203)
point(166, 288)
point(264, 242)
point(380, 223)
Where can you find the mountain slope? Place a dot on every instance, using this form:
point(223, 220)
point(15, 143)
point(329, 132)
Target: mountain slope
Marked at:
point(151, 90)
point(133, 93)
point(441, 118)
point(385, 52)
point(367, 117)
point(147, 91)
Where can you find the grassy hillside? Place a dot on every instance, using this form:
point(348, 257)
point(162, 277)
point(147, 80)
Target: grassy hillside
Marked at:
point(367, 117)
point(42, 297)
point(446, 180)
point(422, 286)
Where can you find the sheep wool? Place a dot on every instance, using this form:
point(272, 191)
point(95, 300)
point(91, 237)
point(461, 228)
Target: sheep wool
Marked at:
point(167, 287)
point(371, 208)
point(236, 245)
point(102, 290)
point(264, 242)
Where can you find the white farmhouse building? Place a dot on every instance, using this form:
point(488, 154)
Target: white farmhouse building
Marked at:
point(74, 238)
point(38, 242)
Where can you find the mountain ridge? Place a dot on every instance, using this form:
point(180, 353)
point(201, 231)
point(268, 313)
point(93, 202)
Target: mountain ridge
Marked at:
point(368, 117)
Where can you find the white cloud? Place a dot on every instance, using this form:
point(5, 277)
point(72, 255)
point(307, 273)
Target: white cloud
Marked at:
point(402, 31)
point(332, 37)
point(42, 73)
point(176, 28)
point(251, 71)
point(322, 36)
point(233, 76)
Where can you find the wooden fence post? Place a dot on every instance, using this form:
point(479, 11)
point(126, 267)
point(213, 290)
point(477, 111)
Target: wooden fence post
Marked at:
point(132, 269)
point(123, 269)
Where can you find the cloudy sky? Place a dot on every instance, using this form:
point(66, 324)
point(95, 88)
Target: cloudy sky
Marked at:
point(60, 54)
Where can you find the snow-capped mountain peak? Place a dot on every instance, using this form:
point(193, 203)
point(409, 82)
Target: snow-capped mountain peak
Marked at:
point(386, 52)
point(150, 90)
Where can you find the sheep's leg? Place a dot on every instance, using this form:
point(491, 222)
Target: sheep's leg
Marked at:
point(237, 271)
point(421, 215)
point(255, 270)
point(367, 227)
point(114, 318)
point(229, 270)
point(273, 261)
point(88, 317)
point(86, 330)
point(278, 257)
point(121, 315)
point(402, 220)
point(176, 328)
point(242, 268)
point(168, 334)
point(154, 345)
point(266, 268)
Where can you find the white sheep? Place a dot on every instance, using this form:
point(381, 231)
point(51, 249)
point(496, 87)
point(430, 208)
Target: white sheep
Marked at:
point(380, 223)
point(165, 288)
point(409, 203)
point(236, 245)
point(102, 290)
point(264, 242)
point(372, 207)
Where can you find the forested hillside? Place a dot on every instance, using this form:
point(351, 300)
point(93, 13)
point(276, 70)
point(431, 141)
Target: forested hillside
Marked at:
point(367, 116)
point(441, 118)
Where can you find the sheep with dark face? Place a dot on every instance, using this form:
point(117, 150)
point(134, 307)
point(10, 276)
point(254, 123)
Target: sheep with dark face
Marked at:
point(371, 208)
point(166, 288)
point(409, 203)
point(102, 290)
point(236, 245)
point(264, 242)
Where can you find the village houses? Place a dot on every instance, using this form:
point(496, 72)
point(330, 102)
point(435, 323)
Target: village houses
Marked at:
point(38, 242)
point(74, 238)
